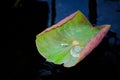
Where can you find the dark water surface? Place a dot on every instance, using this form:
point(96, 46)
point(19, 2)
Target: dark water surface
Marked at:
point(30, 17)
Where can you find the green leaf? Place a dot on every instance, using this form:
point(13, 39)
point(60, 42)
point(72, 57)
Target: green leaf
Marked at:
point(68, 41)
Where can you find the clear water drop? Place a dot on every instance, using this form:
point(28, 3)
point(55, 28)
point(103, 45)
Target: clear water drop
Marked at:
point(75, 51)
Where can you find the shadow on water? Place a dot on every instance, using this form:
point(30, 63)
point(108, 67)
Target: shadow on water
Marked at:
point(93, 12)
point(24, 22)
point(53, 11)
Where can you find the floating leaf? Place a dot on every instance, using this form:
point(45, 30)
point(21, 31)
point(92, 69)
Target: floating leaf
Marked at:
point(70, 40)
